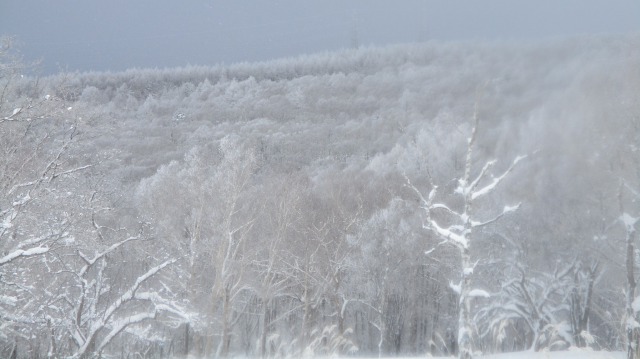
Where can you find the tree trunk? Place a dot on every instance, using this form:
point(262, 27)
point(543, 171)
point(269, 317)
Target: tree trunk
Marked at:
point(464, 322)
point(226, 323)
point(306, 316)
point(631, 290)
point(186, 340)
point(266, 319)
point(631, 323)
point(382, 310)
point(581, 305)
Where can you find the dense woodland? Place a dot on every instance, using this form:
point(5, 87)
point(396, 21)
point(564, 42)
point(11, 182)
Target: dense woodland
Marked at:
point(417, 199)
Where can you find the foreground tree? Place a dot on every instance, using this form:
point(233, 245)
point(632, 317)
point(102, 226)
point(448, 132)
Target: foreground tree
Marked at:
point(35, 138)
point(67, 288)
point(110, 287)
point(632, 302)
point(535, 305)
point(461, 233)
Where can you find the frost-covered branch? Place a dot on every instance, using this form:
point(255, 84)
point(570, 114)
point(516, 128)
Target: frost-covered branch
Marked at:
point(495, 180)
point(461, 230)
point(122, 324)
point(77, 169)
point(536, 300)
point(130, 293)
point(90, 261)
point(23, 253)
point(449, 234)
point(632, 190)
point(505, 210)
point(105, 320)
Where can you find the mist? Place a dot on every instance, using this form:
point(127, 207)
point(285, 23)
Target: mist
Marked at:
point(319, 179)
point(97, 36)
point(314, 205)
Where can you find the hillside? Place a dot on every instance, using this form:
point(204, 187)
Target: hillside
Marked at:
point(296, 206)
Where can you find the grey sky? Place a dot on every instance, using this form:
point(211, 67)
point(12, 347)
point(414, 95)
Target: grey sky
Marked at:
point(119, 34)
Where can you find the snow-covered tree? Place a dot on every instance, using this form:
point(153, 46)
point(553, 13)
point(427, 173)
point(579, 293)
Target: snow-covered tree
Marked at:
point(388, 244)
point(214, 233)
point(461, 233)
point(107, 289)
point(312, 227)
point(35, 175)
point(537, 302)
point(632, 302)
point(274, 281)
point(581, 302)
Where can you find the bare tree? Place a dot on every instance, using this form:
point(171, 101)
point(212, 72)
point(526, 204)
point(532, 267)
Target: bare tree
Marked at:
point(271, 249)
point(97, 304)
point(461, 234)
point(581, 301)
point(631, 303)
point(536, 300)
point(35, 175)
point(218, 180)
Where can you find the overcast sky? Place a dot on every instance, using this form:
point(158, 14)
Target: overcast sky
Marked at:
point(119, 34)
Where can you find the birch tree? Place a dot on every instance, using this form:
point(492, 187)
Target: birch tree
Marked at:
point(213, 222)
point(462, 232)
point(270, 249)
point(632, 302)
point(234, 219)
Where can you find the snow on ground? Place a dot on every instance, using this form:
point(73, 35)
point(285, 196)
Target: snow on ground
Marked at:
point(573, 354)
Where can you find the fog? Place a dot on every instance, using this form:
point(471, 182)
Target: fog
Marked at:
point(319, 179)
point(116, 35)
point(317, 205)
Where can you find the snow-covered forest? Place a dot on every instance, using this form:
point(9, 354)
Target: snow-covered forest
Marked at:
point(428, 199)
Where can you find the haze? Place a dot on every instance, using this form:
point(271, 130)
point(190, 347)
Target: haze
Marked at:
point(350, 179)
point(115, 35)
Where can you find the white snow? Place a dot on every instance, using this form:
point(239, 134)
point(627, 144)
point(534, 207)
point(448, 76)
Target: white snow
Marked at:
point(519, 158)
point(479, 293)
point(632, 323)
point(23, 253)
point(628, 221)
point(496, 180)
point(6, 223)
point(8, 300)
point(574, 353)
point(34, 251)
point(571, 354)
point(447, 233)
point(636, 304)
point(508, 209)
point(588, 338)
point(455, 287)
point(22, 200)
